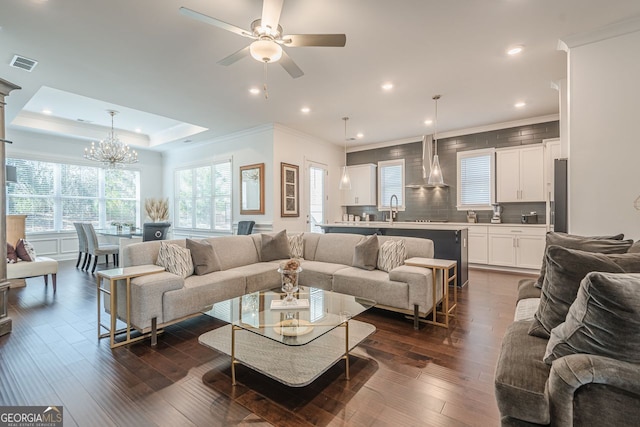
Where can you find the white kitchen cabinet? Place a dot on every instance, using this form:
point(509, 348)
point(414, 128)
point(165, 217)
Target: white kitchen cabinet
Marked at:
point(529, 251)
point(363, 186)
point(477, 252)
point(520, 174)
point(521, 247)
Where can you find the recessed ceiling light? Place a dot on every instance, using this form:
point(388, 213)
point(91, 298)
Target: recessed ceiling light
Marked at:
point(519, 104)
point(360, 135)
point(515, 50)
point(305, 109)
point(47, 112)
point(138, 130)
point(387, 86)
point(428, 122)
point(254, 91)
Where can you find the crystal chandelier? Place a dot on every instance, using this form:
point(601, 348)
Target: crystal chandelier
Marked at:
point(111, 152)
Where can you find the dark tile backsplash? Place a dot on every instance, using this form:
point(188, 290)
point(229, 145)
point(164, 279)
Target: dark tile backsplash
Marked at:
point(440, 203)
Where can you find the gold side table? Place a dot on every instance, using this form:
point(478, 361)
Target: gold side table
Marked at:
point(444, 265)
point(113, 275)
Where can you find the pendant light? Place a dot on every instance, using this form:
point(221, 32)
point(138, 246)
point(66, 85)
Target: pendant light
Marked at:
point(345, 180)
point(435, 176)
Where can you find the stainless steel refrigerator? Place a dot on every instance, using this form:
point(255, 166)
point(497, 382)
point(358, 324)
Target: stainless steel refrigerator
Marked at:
point(559, 205)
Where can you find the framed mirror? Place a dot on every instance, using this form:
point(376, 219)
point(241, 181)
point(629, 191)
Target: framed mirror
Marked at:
point(252, 189)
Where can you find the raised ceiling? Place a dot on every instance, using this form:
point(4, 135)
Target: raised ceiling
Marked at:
point(143, 55)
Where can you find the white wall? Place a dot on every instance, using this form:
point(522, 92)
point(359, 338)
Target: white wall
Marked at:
point(244, 148)
point(604, 149)
point(51, 148)
point(297, 148)
point(270, 144)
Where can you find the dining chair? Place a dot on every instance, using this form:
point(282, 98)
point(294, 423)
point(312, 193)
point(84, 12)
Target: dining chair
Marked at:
point(155, 231)
point(82, 244)
point(95, 248)
point(245, 227)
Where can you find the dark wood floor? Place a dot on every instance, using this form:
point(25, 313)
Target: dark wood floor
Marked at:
point(430, 377)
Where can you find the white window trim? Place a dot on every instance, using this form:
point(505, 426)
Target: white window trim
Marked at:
point(476, 153)
point(382, 203)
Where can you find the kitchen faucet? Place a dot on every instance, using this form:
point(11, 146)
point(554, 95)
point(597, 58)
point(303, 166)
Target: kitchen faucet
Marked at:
point(393, 214)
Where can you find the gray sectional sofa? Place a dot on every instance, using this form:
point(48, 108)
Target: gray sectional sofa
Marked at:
point(165, 298)
point(579, 376)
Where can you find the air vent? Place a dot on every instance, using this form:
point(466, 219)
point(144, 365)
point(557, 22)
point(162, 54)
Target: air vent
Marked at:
point(23, 63)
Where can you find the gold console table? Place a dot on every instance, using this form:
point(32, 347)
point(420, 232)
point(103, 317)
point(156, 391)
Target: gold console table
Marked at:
point(445, 266)
point(113, 275)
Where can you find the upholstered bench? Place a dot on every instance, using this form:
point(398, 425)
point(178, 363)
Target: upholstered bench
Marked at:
point(42, 266)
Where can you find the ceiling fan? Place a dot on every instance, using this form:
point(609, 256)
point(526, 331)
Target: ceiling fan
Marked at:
point(268, 38)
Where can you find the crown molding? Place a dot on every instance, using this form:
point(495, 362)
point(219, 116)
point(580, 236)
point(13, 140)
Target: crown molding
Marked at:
point(298, 134)
point(40, 123)
point(460, 132)
point(616, 29)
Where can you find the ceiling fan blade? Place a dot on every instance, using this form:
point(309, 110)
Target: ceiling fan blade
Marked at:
point(290, 66)
point(234, 57)
point(329, 40)
point(215, 22)
point(271, 10)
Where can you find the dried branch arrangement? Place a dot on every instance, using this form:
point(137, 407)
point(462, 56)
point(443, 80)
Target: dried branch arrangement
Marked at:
point(157, 209)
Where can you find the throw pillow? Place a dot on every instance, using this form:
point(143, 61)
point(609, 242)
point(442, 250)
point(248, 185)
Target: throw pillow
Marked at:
point(365, 254)
point(392, 254)
point(175, 259)
point(296, 245)
point(635, 248)
point(599, 244)
point(565, 270)
point(274, 246)
point(604, 320)
point(25, 250)
point(205, 260)
point(12, 256)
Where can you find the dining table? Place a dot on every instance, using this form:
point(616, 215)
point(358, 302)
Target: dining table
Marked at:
point(122, 236)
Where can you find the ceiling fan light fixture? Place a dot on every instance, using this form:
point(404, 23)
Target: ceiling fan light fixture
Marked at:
point(265, 50)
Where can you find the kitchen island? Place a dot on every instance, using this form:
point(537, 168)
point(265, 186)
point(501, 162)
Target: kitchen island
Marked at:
point(449, 240)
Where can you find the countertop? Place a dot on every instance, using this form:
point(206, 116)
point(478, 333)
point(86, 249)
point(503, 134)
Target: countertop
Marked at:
point(424, 225)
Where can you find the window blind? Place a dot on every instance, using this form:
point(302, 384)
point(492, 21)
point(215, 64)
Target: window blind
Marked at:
point(55, 195)
point(121, 195)
point(203, 197)
point(222, 196)
point(391, 182)
point(475, 180)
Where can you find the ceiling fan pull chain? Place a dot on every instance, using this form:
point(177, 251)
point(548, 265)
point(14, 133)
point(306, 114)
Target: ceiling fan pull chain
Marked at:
point(264, 88)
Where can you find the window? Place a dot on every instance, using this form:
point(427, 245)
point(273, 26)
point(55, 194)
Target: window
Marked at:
point(203, 197)
point(476, 179)
point(55, 195)
point(390, 182)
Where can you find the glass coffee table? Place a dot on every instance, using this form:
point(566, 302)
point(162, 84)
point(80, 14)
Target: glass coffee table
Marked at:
point(294, 344)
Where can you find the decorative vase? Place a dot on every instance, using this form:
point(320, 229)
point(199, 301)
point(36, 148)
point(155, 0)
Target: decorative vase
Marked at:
point(289, 280)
